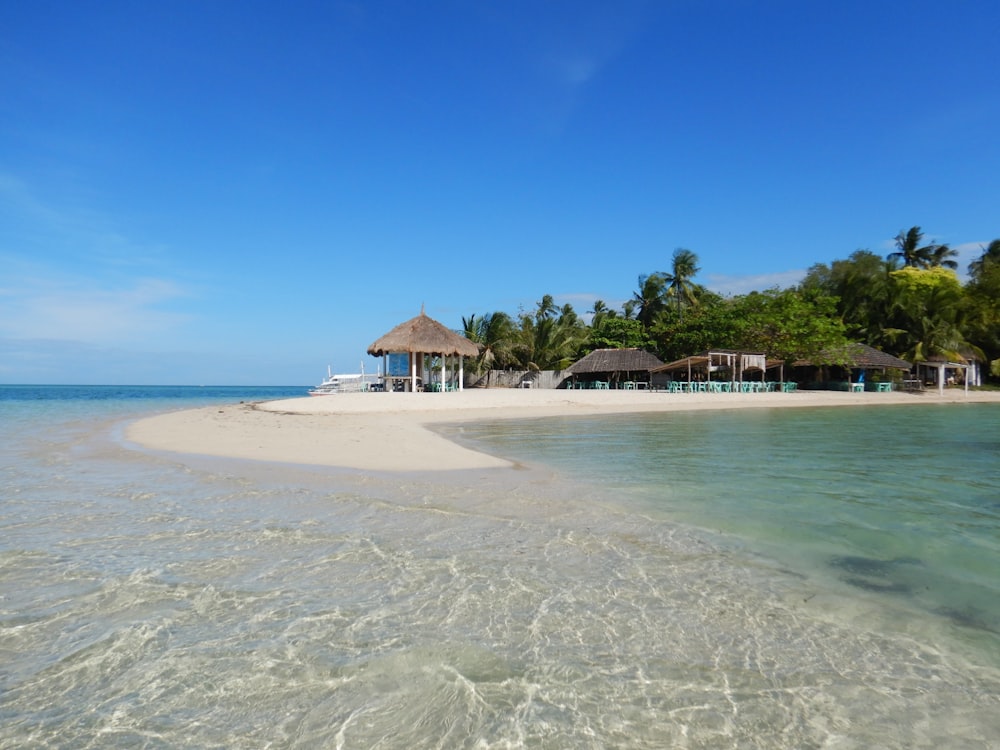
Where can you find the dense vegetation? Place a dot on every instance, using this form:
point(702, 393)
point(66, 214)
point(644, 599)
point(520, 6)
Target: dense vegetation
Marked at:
point(910, 304)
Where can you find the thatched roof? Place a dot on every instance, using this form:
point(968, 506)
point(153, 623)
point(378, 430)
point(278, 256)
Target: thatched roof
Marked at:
point(862, 355)
point(615, 360)
point(426, 335)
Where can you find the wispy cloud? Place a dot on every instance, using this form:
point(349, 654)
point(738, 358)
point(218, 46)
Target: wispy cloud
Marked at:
point(70, 274)
point(38, 221)
point(723, 284)
point(87, 310)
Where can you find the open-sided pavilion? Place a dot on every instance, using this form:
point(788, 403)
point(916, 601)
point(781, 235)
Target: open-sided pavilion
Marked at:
point(422, 339)
point(724, 366)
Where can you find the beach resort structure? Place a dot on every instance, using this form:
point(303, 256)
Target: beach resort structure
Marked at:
point(628, 369)
point(858, 360)
point(723, 370)
point(422, 354)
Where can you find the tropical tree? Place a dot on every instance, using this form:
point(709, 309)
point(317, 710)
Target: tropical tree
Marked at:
point(928, 303)
point(863, 292)
point(913, 255)
point(788, 324)
point(683, 268)
point(981, 305)
point(991, 255)
point(617, 333)
point(710, 325)
point(650, 298)
point(547, 343)
point(599, 312)
point(496, 335)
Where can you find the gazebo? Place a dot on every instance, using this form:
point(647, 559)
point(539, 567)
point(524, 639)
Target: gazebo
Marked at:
point(419, 338)
point(621, 367)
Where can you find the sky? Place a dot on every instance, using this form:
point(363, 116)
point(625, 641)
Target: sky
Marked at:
point(246, 192)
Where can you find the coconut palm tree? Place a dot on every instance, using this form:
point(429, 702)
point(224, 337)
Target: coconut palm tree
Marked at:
point(496, 335)
point(991, 254)
point(546, 308)
point(942, 255)
point(679, 287)
point(649, 299)
point(599, 312)
point(909, 250)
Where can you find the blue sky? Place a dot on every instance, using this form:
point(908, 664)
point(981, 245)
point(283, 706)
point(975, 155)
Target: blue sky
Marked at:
point(227, 192)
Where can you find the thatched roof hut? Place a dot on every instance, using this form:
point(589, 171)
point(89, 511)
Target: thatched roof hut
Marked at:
point(863, 356)
point(422, 336)
point(851, 361)
point(615, 365)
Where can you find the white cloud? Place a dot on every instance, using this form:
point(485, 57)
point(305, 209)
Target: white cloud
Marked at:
point(88, 311)
point(723, 284)
point(967, 252)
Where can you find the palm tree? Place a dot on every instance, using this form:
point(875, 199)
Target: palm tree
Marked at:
point(908, 247)
point(909, 251)
point(599, 312)
point(942, 255)
point(650, 298)
point(546, 308)
point(991, 255)
point(496, 335)
point(683, 268)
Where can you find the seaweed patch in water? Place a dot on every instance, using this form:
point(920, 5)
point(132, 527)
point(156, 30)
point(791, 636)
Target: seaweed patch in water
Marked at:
point(968, 617)
point(872, 574)
point(891, 587)
point(871, 566)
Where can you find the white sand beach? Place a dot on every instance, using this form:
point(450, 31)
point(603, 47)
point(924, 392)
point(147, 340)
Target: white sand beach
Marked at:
point(392, 431)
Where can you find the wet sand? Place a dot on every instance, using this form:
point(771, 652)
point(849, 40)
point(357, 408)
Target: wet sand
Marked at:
point(393, 431)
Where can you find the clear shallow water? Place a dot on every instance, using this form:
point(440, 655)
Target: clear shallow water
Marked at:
point(145, 603)
point(900, 502)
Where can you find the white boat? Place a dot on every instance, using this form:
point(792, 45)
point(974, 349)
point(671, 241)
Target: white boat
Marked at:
point(354, 382)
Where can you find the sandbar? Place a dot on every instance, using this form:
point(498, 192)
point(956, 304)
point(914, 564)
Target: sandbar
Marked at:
point(392, 432)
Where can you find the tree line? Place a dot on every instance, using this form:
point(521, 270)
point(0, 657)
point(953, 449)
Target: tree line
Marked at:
point(910, 303)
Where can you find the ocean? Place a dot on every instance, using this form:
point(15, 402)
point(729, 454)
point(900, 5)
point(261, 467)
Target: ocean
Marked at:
point(787, 578)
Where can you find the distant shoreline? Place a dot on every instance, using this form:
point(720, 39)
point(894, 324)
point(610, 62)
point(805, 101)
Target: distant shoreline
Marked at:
point(389, 431)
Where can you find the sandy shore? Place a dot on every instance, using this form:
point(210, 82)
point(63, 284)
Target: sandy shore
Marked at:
point(390, 431)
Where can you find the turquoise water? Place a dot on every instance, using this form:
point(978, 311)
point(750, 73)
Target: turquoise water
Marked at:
point(681, 581)
point(899, 502)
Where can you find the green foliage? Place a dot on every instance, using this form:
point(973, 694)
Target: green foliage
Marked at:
point(711, 325)
point(788, 324)
point(928, 314)
point(617, 333)
point(981, 303)
point(549, 339)
point(680, 289)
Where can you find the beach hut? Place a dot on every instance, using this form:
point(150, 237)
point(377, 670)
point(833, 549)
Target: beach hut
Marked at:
point(613, 368)
point(856, 359)
point(420, 339)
